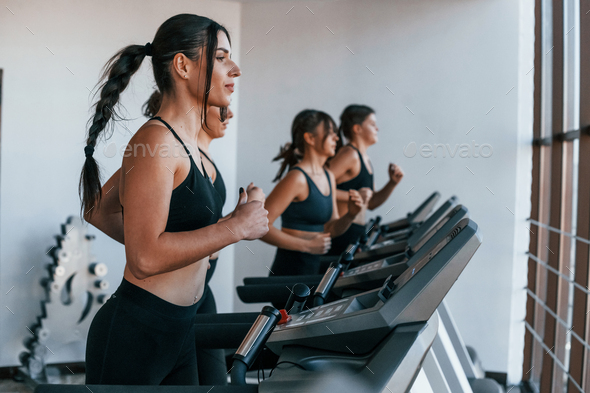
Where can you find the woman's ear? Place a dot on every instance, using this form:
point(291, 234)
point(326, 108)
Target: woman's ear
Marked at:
point(357, 129)
point(181, 65)
point(309, 138)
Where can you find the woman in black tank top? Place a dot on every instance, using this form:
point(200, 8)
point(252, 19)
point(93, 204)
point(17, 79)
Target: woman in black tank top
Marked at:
point(353, 170)
point(144, 334)
point(305, 198)
point(214, 130)
point(211, 362)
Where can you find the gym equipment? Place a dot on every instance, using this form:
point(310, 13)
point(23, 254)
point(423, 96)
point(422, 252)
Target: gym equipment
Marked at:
point(375, 232)
point(298, 298)
point(74, 292)
point(453, 361)
point(367, 340)
point(398, 242)
point(367, 276)
point(253, 343)
point(355, 329)
point(364, 277)
point(415, 217)
point(372, 275)
point(375, 252)
point(359, 337)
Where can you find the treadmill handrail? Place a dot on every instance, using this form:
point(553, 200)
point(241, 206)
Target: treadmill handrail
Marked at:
point(442, 212)
point(424, 209)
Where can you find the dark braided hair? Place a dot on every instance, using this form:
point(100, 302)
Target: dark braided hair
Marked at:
point(351, 116)
point(305, 121)
point(185, 33)
point(152, 105)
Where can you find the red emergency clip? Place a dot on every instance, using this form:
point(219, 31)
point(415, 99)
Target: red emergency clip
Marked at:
point(285, 317)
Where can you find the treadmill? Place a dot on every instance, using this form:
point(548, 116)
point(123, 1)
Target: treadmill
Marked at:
point(361, 334)
point(400, 229)
point(392, 247)
point(380, 244)
point(354, 278)
point(415, 217)
point(373, 275)
point(376, 233)
point(362, 343)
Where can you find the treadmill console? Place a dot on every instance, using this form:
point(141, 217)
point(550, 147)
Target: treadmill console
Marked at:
point(358, 323)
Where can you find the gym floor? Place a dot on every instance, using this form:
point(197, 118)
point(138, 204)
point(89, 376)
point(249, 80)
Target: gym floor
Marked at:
point(27, 386)
point(54, 375)
point(10, 386)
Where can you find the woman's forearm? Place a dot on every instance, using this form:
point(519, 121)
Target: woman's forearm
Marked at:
point(112, 225)
point(382, 195)
point(175, 250)
point(342, 196)
point(339, 226)
point(276, 237)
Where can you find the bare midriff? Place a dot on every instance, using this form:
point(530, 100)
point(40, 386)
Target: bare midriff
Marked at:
point(182, 287)
point(300, 234)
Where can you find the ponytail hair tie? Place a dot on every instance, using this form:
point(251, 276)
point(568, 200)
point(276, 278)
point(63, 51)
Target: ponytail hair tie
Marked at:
point(148, 49)
point(89, 150)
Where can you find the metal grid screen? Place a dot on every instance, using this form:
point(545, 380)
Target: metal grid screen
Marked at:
point(557, 353)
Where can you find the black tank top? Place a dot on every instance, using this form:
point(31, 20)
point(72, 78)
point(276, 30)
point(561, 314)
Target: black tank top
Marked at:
point(219, 184)
point(311, 214)
point(194, 203)
point(363, 179)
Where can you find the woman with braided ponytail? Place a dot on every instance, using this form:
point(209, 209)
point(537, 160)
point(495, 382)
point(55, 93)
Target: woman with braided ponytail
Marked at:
point(144, 334)
point(108, 218)
point(306, 197)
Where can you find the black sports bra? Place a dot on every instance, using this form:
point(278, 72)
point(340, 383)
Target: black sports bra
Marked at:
point(363, 179)
point(194, 203)
point(219, 184)
point(311, 214)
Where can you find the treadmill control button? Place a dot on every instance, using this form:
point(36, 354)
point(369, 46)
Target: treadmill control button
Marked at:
point(284, 317)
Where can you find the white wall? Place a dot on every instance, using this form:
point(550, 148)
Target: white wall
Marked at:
point(44, 114)
point(447, 63)
point(451, 67)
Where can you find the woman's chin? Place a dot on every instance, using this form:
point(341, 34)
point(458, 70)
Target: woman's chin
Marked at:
point(220, 102)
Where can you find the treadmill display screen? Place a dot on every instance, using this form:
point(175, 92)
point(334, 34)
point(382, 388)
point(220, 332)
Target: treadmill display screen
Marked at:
point(365, 268)
point(316, 314)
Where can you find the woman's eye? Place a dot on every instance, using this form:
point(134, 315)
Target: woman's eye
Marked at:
point(220, 58)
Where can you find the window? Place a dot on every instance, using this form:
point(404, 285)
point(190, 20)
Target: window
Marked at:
point(557, 353)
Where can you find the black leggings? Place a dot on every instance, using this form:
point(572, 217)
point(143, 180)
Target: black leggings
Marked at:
point(211, 362)
point(340, 243)
point(137, 338)
point(294, 263)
